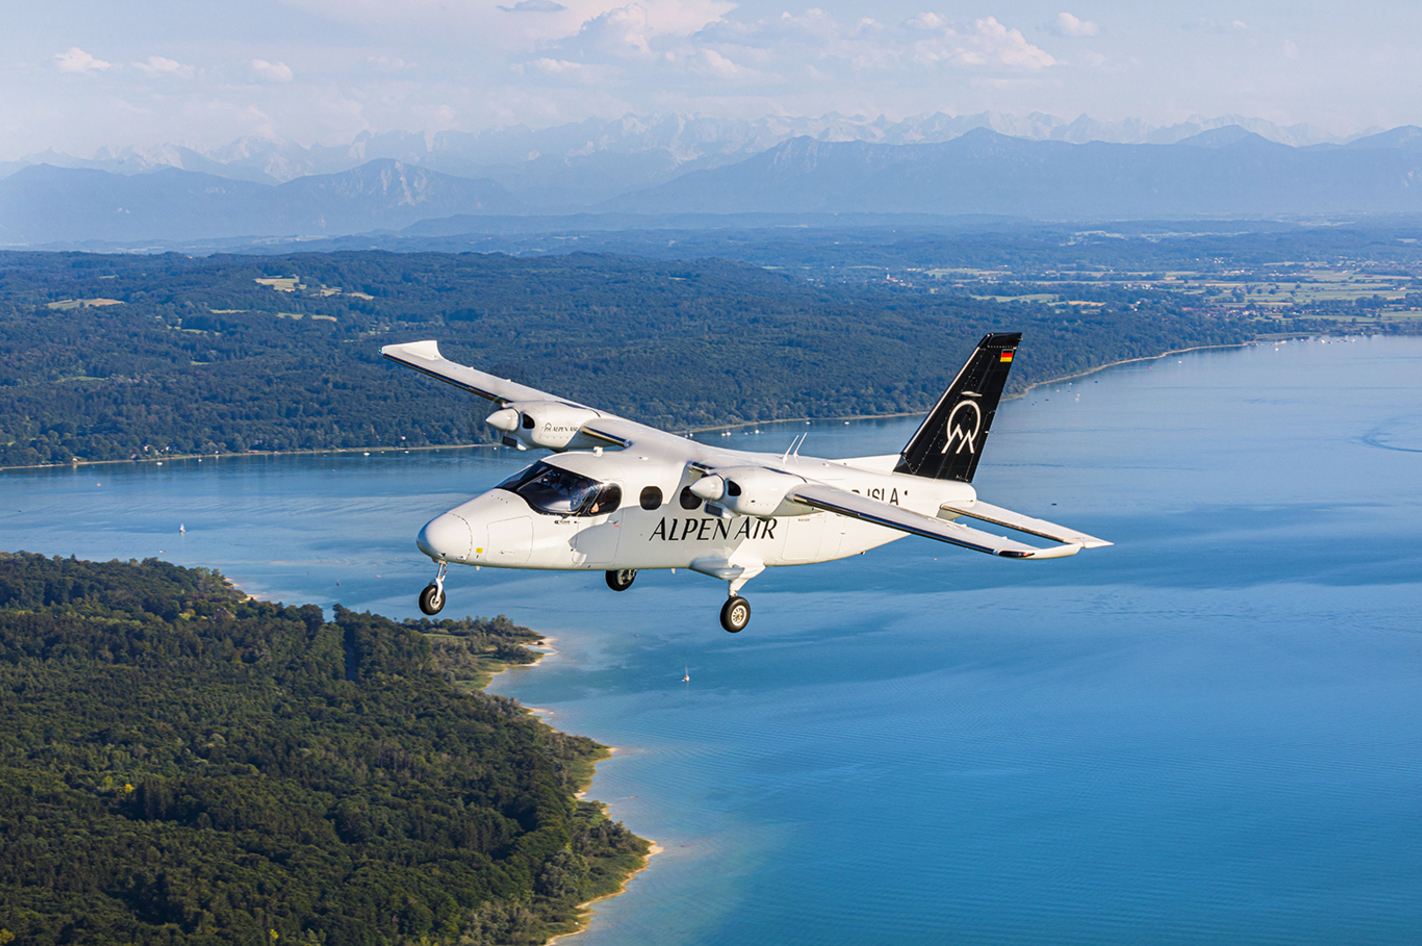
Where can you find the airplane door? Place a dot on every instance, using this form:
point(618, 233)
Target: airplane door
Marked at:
point(835, 529)
point(510, 541)
point(805, 536)
point(596, 542)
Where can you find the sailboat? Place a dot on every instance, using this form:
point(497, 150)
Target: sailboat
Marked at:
point(686, 675)
point(182, 528)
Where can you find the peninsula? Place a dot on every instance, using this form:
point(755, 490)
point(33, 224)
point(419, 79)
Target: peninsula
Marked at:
point(180, 763)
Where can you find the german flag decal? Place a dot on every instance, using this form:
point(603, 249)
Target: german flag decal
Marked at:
point(1005, 357)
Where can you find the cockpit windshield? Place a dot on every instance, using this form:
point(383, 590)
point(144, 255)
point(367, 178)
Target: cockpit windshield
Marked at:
point(557, 492)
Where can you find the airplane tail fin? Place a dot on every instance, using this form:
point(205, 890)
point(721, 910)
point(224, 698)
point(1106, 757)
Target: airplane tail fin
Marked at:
point(950, 441)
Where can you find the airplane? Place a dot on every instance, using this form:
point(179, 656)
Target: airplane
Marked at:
point(620, 497)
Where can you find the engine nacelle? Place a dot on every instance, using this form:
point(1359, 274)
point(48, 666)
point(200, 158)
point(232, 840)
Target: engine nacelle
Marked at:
point(549, 424)
point(750, 491)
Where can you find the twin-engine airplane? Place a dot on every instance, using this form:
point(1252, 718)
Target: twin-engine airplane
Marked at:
point(617, 496)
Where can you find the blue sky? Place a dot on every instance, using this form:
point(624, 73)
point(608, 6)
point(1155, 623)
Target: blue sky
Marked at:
point(80, 74)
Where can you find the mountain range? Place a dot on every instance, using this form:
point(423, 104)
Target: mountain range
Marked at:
point(584, 162)
point(43, 204)
point(1225, 171)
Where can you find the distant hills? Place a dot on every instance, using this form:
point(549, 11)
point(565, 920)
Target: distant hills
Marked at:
point(1226, 171)
point(580, 163)
point(44, 204)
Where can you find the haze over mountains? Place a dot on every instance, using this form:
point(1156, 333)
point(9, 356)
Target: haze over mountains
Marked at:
point(677, 166)
point(1227, 171)
point(668, 144)
point(43, 204)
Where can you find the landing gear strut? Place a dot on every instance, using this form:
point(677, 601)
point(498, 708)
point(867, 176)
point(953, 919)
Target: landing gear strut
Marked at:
point(735, 614)
point(621, 579)
point(432, 598)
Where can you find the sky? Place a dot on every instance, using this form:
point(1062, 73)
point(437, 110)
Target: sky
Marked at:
point(79, 75)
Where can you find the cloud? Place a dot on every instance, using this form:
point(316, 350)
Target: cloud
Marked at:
point(388, 63)
point(991, 43)
point(1068, 25)
point(927, 21)
point(161, 66)
point(987, 45)
point(714, 64)
point(557, 67)
point(665, 41)
point(534, 6)
point(274, 71)
point(1215, 26)
point(623, 32)
point(76, 60)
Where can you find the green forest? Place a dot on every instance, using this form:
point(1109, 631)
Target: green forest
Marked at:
point(108, 357)
point(180, 764)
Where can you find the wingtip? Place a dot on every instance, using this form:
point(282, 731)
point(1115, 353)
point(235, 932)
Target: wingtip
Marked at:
point(429, 348)
point(1065, 550)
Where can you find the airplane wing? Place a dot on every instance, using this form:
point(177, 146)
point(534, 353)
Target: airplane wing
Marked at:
point(598, 425)
point(425, 358)
point(855, 506)
point(1020, 523)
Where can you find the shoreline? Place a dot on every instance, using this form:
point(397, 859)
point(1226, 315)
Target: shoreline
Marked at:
point(584, 914)
point(586, 911)
point(333, 451)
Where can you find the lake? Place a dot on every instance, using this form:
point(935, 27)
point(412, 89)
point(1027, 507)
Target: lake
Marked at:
point(1211, 731)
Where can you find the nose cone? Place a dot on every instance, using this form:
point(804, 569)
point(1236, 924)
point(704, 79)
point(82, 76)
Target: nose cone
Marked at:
point(446, 537)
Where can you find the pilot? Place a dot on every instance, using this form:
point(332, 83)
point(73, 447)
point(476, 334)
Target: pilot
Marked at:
point(608, 499)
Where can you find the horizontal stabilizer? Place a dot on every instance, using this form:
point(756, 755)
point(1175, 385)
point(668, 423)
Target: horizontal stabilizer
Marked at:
point(998, 516)
point(845, 503)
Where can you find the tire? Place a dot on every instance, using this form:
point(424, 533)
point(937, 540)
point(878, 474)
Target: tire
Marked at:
point(621, 579)
point(735, 614)
point(432, 599)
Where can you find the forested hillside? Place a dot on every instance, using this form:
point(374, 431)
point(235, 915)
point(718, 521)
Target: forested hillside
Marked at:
point(105, 357)
point(180, 765)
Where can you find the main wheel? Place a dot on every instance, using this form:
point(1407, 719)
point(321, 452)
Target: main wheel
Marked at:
point(622, 579)
point(432, 599)
point(735, 614)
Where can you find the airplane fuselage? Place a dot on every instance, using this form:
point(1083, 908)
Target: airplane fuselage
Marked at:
point(660, 524)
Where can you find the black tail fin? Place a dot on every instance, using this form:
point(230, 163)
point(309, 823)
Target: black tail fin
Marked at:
point(950, 441)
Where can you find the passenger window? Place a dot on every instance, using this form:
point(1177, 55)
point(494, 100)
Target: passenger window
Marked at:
point(689, 500)
point(651, 497)
point(607, 501)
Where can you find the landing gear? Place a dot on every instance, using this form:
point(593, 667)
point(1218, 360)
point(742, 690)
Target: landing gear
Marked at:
point(432, 598)
point(735, 614)
point(621, 579)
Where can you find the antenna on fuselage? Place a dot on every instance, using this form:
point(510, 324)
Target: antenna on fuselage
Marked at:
point(793, 448)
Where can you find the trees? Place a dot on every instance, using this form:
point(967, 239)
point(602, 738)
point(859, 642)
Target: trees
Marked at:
point(201, 358)
point(181, 765)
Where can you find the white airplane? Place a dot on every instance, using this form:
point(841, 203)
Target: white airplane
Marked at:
point(617, 496)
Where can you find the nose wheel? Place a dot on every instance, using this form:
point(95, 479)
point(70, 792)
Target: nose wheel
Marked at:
point(735, 614)
point(432, 598)
point(621, 579)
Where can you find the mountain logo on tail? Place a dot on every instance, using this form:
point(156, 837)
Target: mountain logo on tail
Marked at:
point(964, 422)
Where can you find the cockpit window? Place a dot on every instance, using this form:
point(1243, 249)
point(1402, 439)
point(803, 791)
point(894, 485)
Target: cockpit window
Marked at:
point(557, 492)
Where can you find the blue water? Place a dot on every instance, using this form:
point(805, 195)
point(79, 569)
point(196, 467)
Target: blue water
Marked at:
point(1211, 732)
